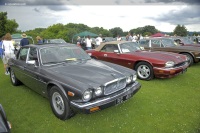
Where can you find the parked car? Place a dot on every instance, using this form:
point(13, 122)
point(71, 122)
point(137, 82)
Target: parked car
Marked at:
point(5, 126)
point(167, 45)
point(70, 79)
point(147, 64)
point(54, 41)
point(184, 41)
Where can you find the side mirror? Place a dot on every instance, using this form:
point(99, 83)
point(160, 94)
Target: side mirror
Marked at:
point(32, 62)
point(116, 51)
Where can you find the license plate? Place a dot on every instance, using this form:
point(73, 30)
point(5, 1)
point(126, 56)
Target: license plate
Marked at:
point(122, 99)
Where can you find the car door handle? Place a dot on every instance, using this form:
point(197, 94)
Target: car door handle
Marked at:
point(105, 55)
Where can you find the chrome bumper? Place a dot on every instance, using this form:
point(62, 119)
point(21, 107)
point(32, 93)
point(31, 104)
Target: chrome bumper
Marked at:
point(108, 99)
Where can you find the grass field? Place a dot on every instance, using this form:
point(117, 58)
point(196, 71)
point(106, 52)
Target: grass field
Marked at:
point(161, 106)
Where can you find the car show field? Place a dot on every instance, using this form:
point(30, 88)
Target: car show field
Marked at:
point(161, 105)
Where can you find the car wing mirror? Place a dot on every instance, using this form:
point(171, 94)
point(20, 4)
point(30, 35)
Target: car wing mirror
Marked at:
point(31, 62)
point(116, 51)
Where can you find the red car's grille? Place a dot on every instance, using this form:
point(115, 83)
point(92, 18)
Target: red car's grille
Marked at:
point(114, 86)
point(180, 64)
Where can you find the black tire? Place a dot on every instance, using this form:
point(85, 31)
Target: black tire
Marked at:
point(59, 104)
point(14, 79)
point(144, 71)
point(191, 60)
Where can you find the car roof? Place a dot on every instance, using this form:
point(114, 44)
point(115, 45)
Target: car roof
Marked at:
point(109, 43)
point(50, 45)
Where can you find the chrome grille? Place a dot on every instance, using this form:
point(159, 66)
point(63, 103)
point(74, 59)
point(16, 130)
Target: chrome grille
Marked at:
point(180, 64)
point(114, 86)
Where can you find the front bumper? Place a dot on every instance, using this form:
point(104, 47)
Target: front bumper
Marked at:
point(169, 72)
point(107, 101)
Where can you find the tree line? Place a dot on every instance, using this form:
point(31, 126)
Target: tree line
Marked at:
point(67, 31)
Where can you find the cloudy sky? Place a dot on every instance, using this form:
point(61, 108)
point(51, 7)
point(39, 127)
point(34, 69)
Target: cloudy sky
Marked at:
point(126, 14)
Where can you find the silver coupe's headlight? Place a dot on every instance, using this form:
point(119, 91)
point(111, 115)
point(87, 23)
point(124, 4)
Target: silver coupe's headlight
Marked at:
point(98, 91)
point(134, 77)
point(87, 95)
point(169, 64)
point(129, 79)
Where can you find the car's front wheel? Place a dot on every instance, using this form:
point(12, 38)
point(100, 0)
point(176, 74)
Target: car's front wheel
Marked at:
point(13, 78)
point(191, 60)
point(144, 71)
point(59, 104)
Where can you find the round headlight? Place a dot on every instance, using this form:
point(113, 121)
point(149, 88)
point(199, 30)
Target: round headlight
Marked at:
point(128, 79)
point(169, 64)
point(134, 77)
point(87, 95)
point(98, 91)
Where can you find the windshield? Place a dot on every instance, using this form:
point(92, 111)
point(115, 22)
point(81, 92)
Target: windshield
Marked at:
point(186, 40)
point(168, 43)
point(54, 41)
point(129, 47)
point(52, 55)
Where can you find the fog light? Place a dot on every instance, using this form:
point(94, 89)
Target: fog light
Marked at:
point(94, 109)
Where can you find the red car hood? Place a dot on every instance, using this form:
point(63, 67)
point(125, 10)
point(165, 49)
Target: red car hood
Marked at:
point(160, 56)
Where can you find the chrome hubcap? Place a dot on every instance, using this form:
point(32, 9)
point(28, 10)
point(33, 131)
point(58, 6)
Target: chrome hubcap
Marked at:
point(12, 76)
point(143, 71)
point(58, 103)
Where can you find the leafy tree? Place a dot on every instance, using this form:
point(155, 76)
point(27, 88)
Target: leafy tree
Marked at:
point(116, 31)
point(101, 30)
point(7, 25)
point(11, 26)
point(146, 30)
point(180, 30)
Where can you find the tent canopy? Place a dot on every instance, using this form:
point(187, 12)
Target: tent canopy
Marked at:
point(18, 36)
point(158, 35)
point(86, 33)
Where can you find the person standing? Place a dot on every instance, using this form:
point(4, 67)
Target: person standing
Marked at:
point(39, 40)
point(88, 42)
point(119, 38)
point(8, 48)
point(98, 40)
point(1, 50)
point(24, 40)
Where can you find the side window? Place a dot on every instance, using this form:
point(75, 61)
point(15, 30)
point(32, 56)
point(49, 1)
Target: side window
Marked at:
point(23, 54)
point(33, 54)
point(144, 43)
point(155, 43)
point(109, 48)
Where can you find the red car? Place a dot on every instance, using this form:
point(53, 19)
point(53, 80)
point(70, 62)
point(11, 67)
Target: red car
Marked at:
point(147, 64)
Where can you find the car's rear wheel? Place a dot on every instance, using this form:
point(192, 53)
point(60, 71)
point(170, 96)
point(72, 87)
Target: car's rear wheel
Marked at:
point(191, 60)
point(13, 78)
point(144, 71)
point(59, 104)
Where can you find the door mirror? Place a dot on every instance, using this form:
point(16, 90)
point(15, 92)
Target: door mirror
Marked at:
point(116, 51)
point(31, 62)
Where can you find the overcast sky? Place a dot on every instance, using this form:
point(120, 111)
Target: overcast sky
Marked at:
point(126, 14)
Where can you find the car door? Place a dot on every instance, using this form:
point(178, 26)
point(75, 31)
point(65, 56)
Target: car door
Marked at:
point(20, 64)
point(35, 79)
point(107, 53)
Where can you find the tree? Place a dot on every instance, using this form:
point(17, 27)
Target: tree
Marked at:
point(7, 25)
point(146, 30)
point(116, 31)
point(180, 30)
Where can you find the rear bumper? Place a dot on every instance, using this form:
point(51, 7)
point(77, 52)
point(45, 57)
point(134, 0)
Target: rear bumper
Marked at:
point(107, 101)
point(170, 72)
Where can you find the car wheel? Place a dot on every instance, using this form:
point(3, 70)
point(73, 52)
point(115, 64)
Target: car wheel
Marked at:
point(59, 104)
point(191, 60)
point(144, 71)
point(13, 78)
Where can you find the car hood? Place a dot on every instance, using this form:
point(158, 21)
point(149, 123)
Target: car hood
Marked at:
point(160, 55)
point(85, 74)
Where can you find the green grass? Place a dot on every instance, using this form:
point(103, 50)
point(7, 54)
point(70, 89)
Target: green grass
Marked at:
point(161, 106)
